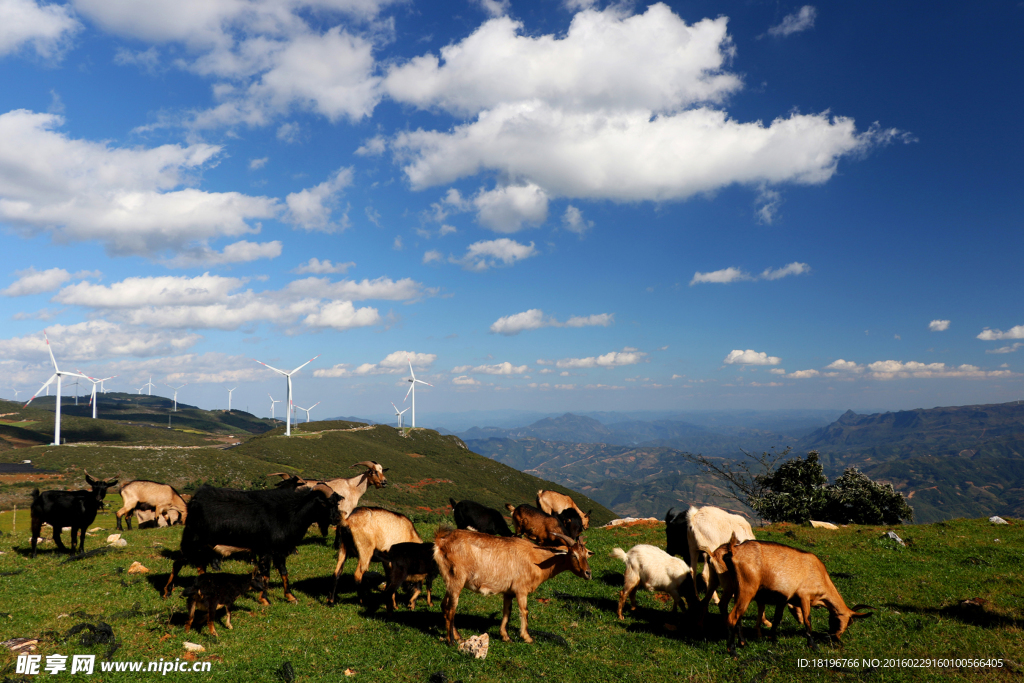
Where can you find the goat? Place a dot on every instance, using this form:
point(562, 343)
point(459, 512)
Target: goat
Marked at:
point(486, 520)
point(162, 498)
point(214, 591)
point(702, 531)
point(350, 490)
point(653, 569)
point(511, 566)
point(267, 523)
point(763, 571)
point(76, 509)
point(553, 502)
point(540, 527)
point(409, 562)
point(372, 529)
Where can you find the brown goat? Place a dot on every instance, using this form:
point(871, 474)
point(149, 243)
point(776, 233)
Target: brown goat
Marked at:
point(759, 570)
point(409, 563)
point(350, 489)
point(161, 498)
point(214, 591)
point(372, 529)
point(492, 564)
point(538, 526)
point(553, 502)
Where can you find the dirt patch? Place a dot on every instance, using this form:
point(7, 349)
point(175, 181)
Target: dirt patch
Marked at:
point(415, 455)
point(21, 478)
point(429, 482)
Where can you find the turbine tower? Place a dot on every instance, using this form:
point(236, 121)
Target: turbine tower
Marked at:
point(272, 402)
point(150, 385)
point(176, 394)
point(229, 398)
point(57, 374)
point(288, 423)
point(412, 390)
point(397, 413)
point(92, 396)
point(75, 384)
point(308, 409)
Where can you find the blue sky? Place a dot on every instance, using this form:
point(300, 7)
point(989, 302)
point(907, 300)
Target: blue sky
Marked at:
point(547, 206)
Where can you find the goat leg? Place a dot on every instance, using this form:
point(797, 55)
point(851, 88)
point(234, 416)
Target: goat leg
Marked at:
point(522, 617)
point(506, 612)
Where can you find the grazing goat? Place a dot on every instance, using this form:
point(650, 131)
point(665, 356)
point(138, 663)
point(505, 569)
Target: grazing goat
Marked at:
point(409, 562)
point(511, 566)
point(653, 569)
point(759, 570)
point(539, 527)
point(480, 517)
point(350, 490)
point(214, 591)
point(267, 523)
point(162, 498)
point(553, 502)
point(702, 531)
point(76, 509)
point(372, 529)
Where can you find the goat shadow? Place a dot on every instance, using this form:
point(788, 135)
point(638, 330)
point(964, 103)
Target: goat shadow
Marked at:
point(965, 612)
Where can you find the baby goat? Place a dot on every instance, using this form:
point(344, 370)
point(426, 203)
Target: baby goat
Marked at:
point(755, 570)
point(653, 569)
point(214, 591)
point(412, 563)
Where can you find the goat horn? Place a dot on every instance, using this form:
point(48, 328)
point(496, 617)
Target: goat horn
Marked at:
point(568, 541)
point(368, 464)
point(284, 475)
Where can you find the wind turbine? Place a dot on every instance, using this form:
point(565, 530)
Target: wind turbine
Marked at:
point(308, 409)
point(92, 396)
point(272, 402)
point(176, 394)
point(57, 374)
point(412, 390)
point(229, 398)
point(398, 414)
point(288, 423)
point(16, 392)
point(75, 384)
point(150, 385)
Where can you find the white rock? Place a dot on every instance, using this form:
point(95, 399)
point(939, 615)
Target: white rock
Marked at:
point(119, 543)
point(113, 537)
point(193, 647)
point(893, 536)
point(997, 520)
point(476, 646)
point(823, 525)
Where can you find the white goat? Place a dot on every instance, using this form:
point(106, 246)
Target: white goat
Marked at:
point(705, 529)
point(653, 569)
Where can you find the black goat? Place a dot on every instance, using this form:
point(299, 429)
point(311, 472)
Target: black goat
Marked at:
point(76, 509)
point(268, 524)
point(486, 520)
point(412, 562)
point(676, 534)
point(571, 522)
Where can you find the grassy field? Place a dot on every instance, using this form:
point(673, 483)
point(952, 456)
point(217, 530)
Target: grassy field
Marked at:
point(917, 592)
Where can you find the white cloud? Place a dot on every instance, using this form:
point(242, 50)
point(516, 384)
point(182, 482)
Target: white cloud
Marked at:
point(133, 200)
point(613, 359)
point(801, 20)
point(731, 274)
point(312, 208)
point(768, 202)
point(32, 281)
point(394, 363)
point(488, 253)
point(342, 315)
point(256, 164)
point(534, 319)
point(372, 147)
point(93, 340)
point(382, 288)
point(505, 368)
point(242, 251)
point(1016, 332)
point(573, 221)
point(318, 267)
point(938, 325)
point(494, 8)
point(151, 291)
point(777, 371)
point(48, 29)
point(1012, 348)
point(750, 357)
point(893, 369)
point(724, 276)
point(433, 256)
point(845, 365)
point(465, 381)
point(506, 209)
point(803, 374)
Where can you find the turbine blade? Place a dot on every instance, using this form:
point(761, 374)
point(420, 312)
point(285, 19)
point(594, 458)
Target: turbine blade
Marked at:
point(45, 384)
point(304, 364)
point(407, 393)
point(314, 405)
point(272, 368)
point(410, 368)
point(427, 383)
point(52, 359)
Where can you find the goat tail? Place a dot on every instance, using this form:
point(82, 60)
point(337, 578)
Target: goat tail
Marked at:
point(35, 495)
point(452, 502)
point(618, 553)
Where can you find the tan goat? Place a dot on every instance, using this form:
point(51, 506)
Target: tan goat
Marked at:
point(350, 489)
point(165, 502)
point(759, 569)
point(489, 564)
point(553, 502)
point(372, 529)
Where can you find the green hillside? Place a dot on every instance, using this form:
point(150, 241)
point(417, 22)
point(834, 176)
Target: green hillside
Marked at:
point(425, 468)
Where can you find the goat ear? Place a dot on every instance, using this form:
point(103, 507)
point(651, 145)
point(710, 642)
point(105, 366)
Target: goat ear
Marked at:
point(385, 469)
